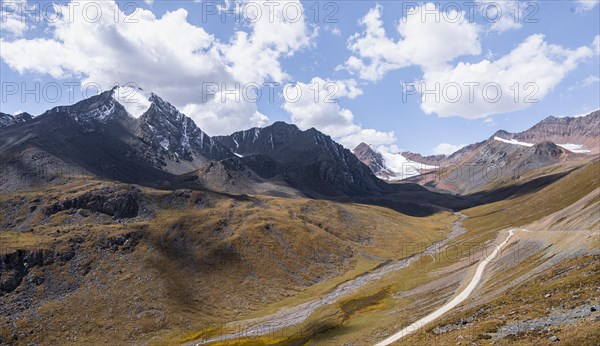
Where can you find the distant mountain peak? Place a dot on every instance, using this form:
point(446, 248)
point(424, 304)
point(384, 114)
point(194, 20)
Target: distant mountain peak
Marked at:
point(175, 134)
point(283, 125)
point(7, 120)
point(390, 166)
point(362, 146)
point(308, 159)
point(579, 133)
point(501, 133)
point(94, 112)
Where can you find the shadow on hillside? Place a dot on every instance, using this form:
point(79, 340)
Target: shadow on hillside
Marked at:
point(409, 199)
point(516, 190)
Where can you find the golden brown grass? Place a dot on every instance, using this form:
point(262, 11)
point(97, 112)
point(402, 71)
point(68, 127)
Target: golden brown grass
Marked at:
point(393, 310)
point(197, 264)
point(236, 258)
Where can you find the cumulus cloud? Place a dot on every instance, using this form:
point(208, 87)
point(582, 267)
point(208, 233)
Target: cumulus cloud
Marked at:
point(371, 135)
point(223, 117)
point(513, 82)
point(14, 20)
point(166, 55)
point(432, 40)
point(504, 15)
point(586, 5)
point(425, 40)
point(255, 56)
point(315, 104)
point(446, 149)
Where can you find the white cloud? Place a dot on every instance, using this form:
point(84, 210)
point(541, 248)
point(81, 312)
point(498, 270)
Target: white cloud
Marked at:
point(13, 24)
point(367, 135)
point(166, 55)
point(588, 81)
point(433, 40)
point(428, 39)
point(596, 45)
point(314, 104)
point(489, 121)
point(255, 56)
point(446, 149)
point(218, 117)
point(503, 15)
point(14, 19)
point(586, 5)
point(535, 65)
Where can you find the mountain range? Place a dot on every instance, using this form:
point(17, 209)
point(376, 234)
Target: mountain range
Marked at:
point(127, 224)
point(499, 159)
point(161, 147)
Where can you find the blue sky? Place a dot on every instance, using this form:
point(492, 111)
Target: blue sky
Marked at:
point(359, 51)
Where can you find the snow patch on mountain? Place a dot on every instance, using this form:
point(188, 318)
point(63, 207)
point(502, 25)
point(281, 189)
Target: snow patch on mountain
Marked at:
point(135, 100)
point(102, 113)
point(400, 167)
point(575, 148)
point(165, 144)
point(513, 141)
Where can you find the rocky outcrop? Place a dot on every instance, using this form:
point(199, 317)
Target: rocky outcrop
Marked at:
point(14, 267)
point(125, 242)
point(119, 204)
point(547, 151)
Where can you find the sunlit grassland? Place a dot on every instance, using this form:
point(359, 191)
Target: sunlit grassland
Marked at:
point(385, 310)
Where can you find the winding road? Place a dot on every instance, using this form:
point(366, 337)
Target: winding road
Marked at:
point(454, 302)
point(295, 315)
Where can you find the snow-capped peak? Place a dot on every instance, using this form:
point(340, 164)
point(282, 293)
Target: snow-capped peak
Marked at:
point(389, 165)
point(135, 100)
point(399, 166)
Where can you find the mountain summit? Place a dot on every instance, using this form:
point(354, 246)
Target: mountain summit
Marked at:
point(307, 159)
point(100, 136)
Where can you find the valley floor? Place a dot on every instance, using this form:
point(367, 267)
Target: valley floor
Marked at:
point(189, 267)
point(492, 285)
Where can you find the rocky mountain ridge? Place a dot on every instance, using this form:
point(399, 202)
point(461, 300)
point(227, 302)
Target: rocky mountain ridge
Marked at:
point(550, 141)
point(7, 120)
